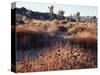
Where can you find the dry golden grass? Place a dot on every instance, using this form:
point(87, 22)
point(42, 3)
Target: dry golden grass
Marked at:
point(86, 38)
point(82, 27)
point(41, 26)
point(87, 35)
point(59, 57)
point(21, 29)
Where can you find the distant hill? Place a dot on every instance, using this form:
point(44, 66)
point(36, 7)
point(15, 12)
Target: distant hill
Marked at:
point(23, 12)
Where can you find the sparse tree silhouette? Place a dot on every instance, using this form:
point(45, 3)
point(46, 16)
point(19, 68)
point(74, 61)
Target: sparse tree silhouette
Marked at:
point(93, 19)
point(51, 12)
point(78, 16)
point(61, 13)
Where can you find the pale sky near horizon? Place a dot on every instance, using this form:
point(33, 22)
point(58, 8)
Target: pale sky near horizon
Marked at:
point(69, 9)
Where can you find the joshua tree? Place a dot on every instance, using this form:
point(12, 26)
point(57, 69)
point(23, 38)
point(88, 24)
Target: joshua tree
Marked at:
point(51, 12)
point(93, 19)
point(78, 16)
point(61, 13)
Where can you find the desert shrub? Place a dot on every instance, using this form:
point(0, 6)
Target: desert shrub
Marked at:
point(81, 27)
point(64, 22)
point(56, 22)
point(75, 29)
point(86, 39)
point(53, 29)
point(21, 22)
point(62, 28)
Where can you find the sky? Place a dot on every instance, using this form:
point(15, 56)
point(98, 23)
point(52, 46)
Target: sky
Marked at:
point(69, 9)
